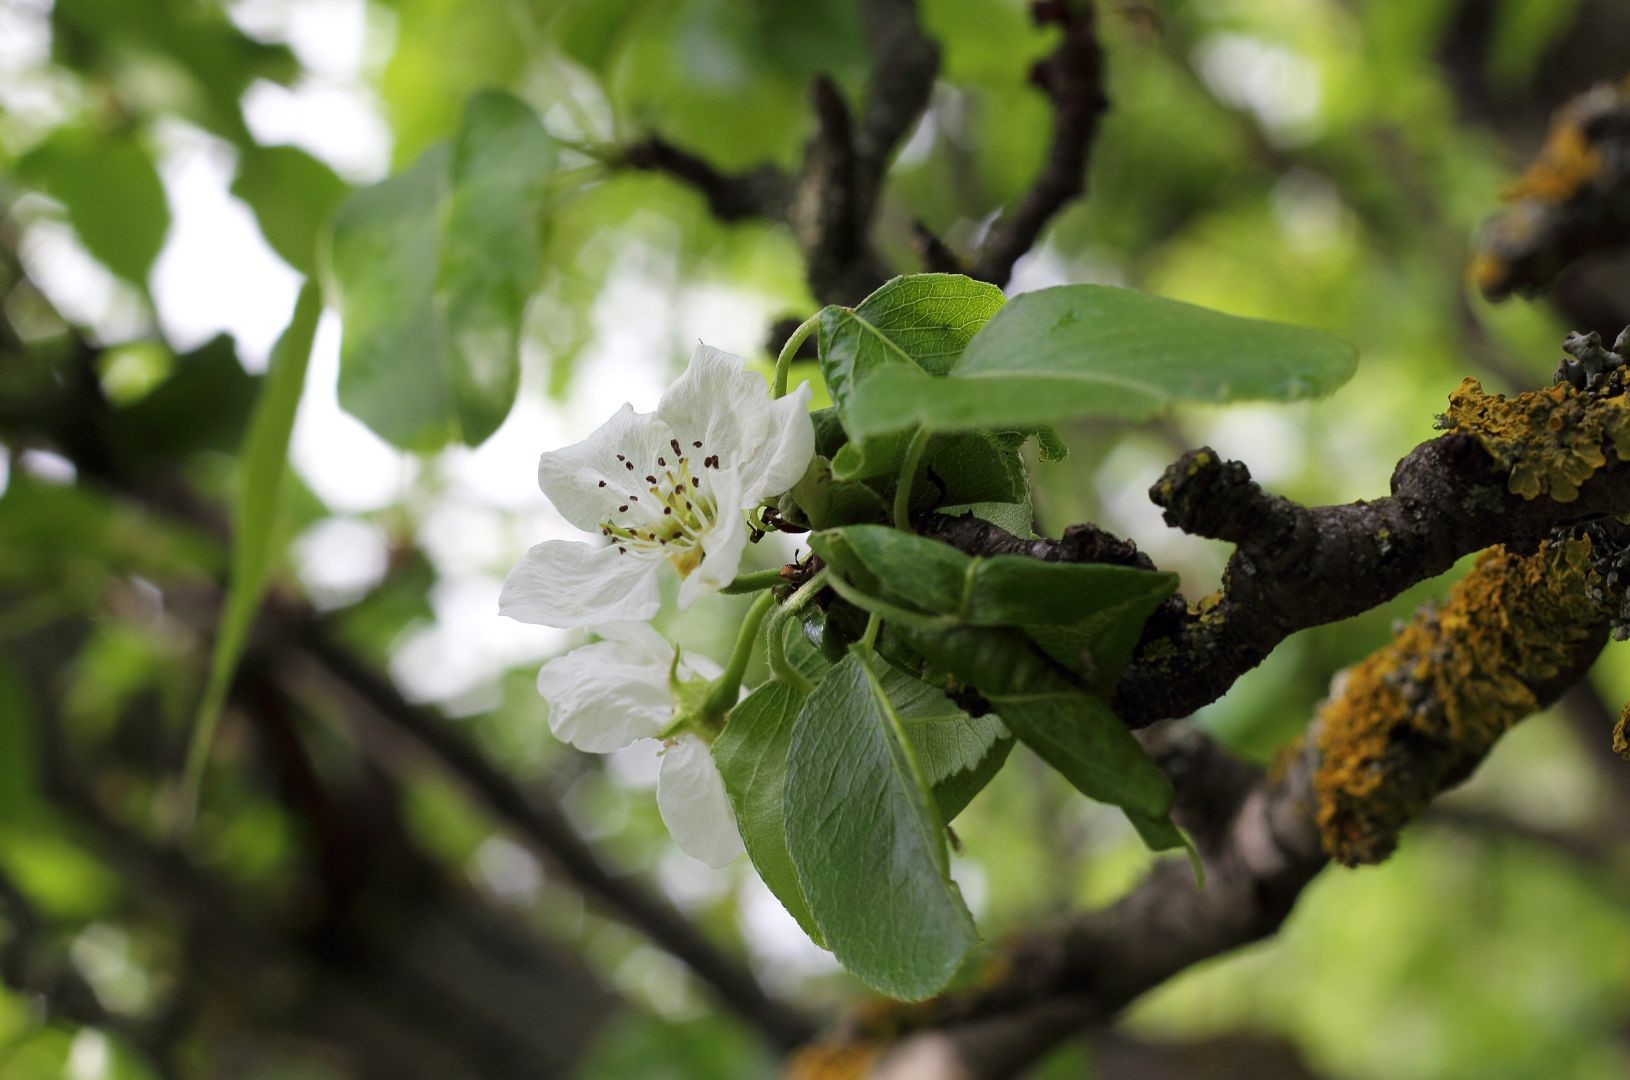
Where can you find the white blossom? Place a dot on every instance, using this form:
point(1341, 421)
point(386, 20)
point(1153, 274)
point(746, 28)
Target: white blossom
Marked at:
point(627, 687)
point(670, 487)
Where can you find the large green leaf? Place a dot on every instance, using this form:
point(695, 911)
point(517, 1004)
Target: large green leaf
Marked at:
point(751, 754)
point(259, 497)
point(920, 323)
point(1096, 350)
point(868, 842)
point(431, 270)
point(293, 195)
point(112, 193)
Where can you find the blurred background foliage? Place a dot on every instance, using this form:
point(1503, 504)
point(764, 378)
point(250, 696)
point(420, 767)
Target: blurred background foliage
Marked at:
point(343, 904)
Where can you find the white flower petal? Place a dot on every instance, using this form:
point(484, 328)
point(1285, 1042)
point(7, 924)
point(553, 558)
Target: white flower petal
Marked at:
point(644, 635)
point(587, 481)
point(693, 803)
point(608, 694)
point(718, 403)
point(722, 544)
point(781, 458)
point(568, 584)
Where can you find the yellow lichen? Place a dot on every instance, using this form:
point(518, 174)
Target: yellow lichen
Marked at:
point(1566, 163)
point(833, 1061)
point(1418, 715)
point(1621, 737)
point(1548, 441)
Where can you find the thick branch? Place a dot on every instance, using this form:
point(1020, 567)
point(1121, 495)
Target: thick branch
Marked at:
point(1260, 837)
point(1072, 76)
point(1297, 567)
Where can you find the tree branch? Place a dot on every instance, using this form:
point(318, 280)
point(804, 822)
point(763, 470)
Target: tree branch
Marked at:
point(1263, 837)
point(1072, 76)
point(761, 193)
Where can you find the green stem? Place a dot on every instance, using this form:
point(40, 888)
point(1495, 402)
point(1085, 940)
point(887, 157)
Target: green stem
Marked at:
point(775, 647)
point(884, 609)
point(727, 687)
point(784, 361)
point(873, 625)
point(754, 582)
point(908, 473)
point(775, 651)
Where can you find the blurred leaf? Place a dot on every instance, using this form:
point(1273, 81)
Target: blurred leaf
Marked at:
point(752, 758)
point(142, 48)
point(868, 842)
point(264, 464)
point(112, 193)
point(1096, 350)
point(292, 194)
point(431, 271)
point(18, 756)
point(637, 1045)
point(203, 405)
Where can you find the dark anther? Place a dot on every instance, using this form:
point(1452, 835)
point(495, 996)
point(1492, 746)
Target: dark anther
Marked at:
point(666, 510)
point(623, 509)
point(697, 445)
point(662, 463)
point(602, 483)
point(650, 479)
point(629, 465)
point(675, 444)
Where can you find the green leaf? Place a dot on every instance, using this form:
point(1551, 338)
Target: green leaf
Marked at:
point(1096, 350)
point(19, 755)
point(265, 465)
point(822, 502)
point(1074, 731)
point(203, 405)
point(920, 323)
point(751, 754)
point(112, 193)
point(959, 754)
point(293, 195)
point(1011, 590)
point(868, 842)
point(431, 271)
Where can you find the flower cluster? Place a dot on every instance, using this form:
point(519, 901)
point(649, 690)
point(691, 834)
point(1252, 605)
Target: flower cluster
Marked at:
point(674, 488)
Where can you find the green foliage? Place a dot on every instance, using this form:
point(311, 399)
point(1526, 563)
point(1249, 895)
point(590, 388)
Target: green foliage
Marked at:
point(292, 195)
point(752, 758)
point(432, 270)
point(111, 192)
point(1094, 350)
point(921, 322)
point(867, 839)
point(255, 533)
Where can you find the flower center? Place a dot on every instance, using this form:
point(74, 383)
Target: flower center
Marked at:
point(670, 513)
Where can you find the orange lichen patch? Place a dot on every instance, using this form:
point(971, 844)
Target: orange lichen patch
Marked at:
point(1621, 737)
point(1549, 441)
point(1417, 716)
point(833, 1061)
point(1567, 162)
